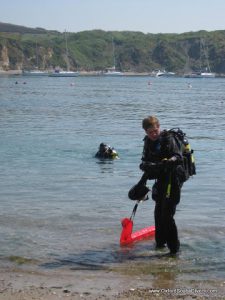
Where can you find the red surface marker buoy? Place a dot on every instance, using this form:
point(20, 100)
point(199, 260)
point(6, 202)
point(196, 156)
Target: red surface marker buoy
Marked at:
point(128, 237)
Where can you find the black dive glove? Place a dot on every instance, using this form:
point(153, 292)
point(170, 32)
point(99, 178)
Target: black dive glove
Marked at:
point(169, 164)
point(147, 166)
point(151, 169)
point(144, 166)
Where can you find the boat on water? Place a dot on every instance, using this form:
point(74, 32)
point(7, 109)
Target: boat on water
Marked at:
point(203, 57)
point(36, 70)
point(68, 73)
point(159, 73)
point(208, 75)
point(35, 73)
point(200, 75)
point(166, 74)
point(112, 71)
point(58, 73)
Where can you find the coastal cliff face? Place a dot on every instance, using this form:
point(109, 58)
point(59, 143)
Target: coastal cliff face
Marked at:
point(13, 57)
point(4, 58)
point(40, 59)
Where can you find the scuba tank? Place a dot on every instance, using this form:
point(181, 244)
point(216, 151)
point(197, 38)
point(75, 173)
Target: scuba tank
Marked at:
point(187, 152)
point(189, 159)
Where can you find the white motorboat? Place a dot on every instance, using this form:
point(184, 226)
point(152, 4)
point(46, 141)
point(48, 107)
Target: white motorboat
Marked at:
point(159, 73)
point(166, 74)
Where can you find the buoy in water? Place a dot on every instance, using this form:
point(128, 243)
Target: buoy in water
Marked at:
point(128, 237)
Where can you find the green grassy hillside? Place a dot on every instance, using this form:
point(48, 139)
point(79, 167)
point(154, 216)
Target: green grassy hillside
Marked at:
point(26, 48)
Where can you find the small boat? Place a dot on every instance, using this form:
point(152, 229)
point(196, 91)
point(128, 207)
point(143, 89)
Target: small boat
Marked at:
point(156, 73)
point(35, 73)
point(112, 72)
point(58, 73)
point(61, 73)
point(192, 75)
point(203, 57)
point(159, 73)
point(167, 74)
point(208, 75)
point(200, 75)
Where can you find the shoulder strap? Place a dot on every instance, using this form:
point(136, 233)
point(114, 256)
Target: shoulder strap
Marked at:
point(178, 132)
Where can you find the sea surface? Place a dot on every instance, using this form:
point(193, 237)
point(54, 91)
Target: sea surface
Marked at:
point(62, 207)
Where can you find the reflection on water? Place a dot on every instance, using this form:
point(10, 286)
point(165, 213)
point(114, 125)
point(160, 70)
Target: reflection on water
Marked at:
point(106, 165)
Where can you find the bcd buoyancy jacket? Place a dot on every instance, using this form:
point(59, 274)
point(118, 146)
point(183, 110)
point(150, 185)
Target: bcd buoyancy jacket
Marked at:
point(162, 161)
point(160, 156)
point(188, 160)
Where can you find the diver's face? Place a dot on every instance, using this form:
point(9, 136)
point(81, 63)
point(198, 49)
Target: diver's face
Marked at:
point(153, 133)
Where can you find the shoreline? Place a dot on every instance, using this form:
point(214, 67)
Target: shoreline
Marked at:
point(81, 74)
point(19, 283)
point(100, 74)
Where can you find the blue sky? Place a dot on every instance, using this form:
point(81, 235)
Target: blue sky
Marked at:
point(148, 16)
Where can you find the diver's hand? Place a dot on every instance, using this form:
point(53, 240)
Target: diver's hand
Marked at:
point(147, 166)
point(152, 170)
point(144, 166)
point(169, 163)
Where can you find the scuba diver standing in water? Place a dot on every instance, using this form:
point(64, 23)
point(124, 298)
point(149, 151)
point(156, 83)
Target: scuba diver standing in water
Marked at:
point(162, 160)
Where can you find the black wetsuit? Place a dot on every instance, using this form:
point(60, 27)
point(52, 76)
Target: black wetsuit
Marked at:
point(167, 188)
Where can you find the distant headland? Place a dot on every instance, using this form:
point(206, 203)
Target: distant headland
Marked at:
point(96, 51)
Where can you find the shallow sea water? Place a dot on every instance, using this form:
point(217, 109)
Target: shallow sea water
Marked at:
point(62, 207)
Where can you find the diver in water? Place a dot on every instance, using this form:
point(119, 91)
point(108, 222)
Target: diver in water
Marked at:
point(105, 151)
